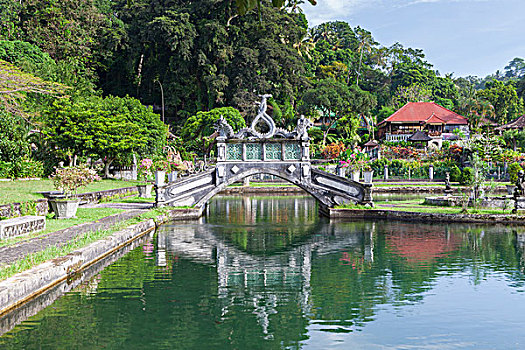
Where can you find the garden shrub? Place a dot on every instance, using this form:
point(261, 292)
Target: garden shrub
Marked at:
point(513, 170)
point(333, 150)
point(25, 168)
point(467, 176)
point(455, 173)
point(5, 169)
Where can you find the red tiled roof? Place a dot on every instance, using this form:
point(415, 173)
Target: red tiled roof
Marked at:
point(414, 112)
point(434, 119)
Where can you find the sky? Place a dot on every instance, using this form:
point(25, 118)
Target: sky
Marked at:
point(463, 37)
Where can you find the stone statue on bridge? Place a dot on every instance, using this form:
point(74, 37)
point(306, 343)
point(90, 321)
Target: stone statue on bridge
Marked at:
point(259, 150)
point(300, 132)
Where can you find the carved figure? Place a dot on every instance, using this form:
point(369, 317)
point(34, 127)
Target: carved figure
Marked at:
point(263, 105)
point(299, 133)
point(447, 182)
point(303, 124)
point(224, 129)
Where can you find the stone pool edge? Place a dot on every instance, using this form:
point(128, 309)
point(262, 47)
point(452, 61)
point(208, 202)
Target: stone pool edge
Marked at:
point(382, 214)
point(24, 286)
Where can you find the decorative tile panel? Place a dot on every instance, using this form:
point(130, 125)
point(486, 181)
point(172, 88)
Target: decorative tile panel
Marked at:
point(233, 151)
point(253, 151)
point(292, 151)
point(272, 151)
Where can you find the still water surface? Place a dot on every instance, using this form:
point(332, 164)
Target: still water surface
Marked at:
point(268, 273)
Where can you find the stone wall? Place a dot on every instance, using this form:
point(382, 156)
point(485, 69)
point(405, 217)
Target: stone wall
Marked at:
point(379, 214)
point(95, 197)
point(37, 207)
point(456, 201)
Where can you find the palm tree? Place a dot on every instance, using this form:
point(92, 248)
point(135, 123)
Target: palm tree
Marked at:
point(366, 42)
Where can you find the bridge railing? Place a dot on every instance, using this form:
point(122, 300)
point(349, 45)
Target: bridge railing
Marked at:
point(242, 150)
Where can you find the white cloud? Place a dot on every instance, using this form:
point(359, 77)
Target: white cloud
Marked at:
point(333, 10)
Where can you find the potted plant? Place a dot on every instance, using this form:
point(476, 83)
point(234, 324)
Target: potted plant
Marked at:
point(368, 173)
point(144, 171)
point(174, 161)
point(351, 163)
point(160, 166)
point(69, 180)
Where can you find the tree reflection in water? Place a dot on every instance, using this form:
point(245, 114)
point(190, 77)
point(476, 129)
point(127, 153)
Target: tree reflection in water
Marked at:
point(269, 273)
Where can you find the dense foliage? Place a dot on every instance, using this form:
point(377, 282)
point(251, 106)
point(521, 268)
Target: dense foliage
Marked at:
point(200, 59)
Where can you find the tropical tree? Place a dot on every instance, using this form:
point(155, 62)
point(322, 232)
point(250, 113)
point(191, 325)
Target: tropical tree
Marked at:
point(366, 43)
point(504, 98)
point(111, 128)
point(15, 85)
point(198, 128)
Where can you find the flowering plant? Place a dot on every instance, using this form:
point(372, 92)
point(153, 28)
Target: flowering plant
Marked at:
point(161, 165)
point(70, 179)
point(144, 169)
point(355, 159)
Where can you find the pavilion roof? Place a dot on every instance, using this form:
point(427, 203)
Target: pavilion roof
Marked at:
point(419, 136)
point(371, 143)
point(518, 123)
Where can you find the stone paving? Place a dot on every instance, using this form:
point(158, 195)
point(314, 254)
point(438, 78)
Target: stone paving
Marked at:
point(12, 253)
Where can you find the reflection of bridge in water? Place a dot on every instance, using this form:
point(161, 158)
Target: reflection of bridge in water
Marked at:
point(251, 277)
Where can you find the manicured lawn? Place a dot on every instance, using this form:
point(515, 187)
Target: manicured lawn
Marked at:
point(415, 205)
point(23, 191)
point(135, 199)
point(83, 240)
point(83, 215)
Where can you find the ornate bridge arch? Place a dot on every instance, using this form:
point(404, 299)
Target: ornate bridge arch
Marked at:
point(276, 152)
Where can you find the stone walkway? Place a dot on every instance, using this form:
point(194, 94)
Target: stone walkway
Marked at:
point(12, 253)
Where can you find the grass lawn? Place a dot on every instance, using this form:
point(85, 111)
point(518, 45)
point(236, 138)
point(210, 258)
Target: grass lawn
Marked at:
point(23, 191)
point(415, 205)
point(135, 199)
point(83, 240)
point(83, 215)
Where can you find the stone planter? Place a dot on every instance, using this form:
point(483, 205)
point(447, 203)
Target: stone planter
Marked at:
point(172, 177)
point(160, 177)
point(64, 208)
point(356, 175)
point(368, 175)
point(145, 190)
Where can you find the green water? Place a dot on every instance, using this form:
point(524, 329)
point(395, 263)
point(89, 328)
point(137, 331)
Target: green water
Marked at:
point(267, 273)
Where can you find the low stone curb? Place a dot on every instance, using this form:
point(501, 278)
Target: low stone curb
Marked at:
point(363, 214)
point(26, 285)
point(425, 189)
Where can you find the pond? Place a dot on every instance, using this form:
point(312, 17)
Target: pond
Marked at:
point(268, 273)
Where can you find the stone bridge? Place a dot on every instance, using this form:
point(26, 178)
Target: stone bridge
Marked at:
point(275, 152)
